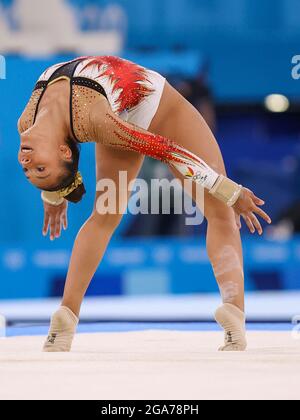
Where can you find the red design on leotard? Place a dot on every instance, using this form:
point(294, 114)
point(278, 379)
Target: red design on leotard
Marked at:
point(128, 78)
point(152, 145)
point(190, 172)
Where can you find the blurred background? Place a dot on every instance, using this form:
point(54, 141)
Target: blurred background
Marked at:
point(233, 59)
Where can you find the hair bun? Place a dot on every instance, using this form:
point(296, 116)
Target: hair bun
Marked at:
point(77, 195)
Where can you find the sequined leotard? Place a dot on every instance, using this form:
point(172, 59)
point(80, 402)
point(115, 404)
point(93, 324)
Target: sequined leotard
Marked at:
point(112, 102)
point(133, 92)
point(130, 96)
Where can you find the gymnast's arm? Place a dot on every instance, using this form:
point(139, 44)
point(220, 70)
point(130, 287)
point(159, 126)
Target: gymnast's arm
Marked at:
point(108, 129)
point(55, 216)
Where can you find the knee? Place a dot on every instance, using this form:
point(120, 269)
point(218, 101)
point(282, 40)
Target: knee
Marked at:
point(220, 215)
point(109, 222)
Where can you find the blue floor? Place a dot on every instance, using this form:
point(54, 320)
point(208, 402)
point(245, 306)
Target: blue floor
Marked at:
point(30, 330)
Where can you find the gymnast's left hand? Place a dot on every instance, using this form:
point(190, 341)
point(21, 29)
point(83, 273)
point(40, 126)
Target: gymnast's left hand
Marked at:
point(248, 207)
point(55, 219)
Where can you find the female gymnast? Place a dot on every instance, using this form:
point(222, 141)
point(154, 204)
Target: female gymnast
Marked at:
point(129, 112)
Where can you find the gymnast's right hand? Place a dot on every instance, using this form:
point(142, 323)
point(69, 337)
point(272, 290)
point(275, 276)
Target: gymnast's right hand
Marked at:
point(247, 207)
point(55, 219)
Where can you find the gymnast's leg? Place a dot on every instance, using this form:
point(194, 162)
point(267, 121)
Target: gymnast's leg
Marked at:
point(186, 127)
point(90, 246)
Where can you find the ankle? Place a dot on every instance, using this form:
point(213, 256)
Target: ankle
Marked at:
point(74, 309)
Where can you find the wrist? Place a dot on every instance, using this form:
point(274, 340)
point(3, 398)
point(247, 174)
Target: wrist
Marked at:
point(226, 191)
point(52, 198)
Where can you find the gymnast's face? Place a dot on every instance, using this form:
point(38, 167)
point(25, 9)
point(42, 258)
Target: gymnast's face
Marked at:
point(42, 161)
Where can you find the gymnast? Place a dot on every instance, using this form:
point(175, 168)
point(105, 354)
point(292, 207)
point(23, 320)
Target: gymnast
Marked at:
point(129, 112)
